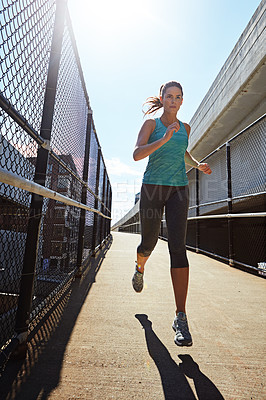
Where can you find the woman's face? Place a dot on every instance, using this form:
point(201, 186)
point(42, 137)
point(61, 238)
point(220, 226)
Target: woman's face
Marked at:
point(172, 99)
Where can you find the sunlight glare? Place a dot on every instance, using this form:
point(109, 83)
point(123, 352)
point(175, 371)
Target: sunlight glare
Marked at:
point(117, 18)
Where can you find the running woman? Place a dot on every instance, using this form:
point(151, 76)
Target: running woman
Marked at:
point(165, 185)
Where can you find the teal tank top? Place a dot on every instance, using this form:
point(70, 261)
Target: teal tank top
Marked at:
point(166, 165)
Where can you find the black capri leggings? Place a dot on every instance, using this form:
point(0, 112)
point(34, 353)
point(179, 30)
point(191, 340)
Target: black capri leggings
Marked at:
point(175, 199)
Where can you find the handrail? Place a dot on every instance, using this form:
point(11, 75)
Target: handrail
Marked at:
point(9, 178)
point(23, 123)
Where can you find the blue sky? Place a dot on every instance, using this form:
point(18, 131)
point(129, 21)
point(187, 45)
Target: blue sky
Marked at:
point(129, 48)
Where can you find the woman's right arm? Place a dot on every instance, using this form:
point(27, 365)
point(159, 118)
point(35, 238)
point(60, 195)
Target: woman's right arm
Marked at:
point(143, 149)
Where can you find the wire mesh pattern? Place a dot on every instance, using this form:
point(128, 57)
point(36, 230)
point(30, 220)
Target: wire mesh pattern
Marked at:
point(70, 113)
point(213, 188)
point(94, 145)
point(248, 161)
point(26, 34)
point(73, 165)
point(192, 192)
point(236, 186)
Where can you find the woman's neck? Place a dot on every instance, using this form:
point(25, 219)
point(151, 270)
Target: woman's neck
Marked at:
point(168, 119)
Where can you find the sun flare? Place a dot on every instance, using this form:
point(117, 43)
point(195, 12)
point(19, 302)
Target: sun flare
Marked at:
point(117, 18)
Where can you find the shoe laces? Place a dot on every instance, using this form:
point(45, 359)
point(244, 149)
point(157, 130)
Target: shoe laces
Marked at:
point(138, 275)
point(182, 325)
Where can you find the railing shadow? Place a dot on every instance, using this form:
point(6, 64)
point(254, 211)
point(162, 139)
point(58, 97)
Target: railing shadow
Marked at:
point(39, 374)
point(173, 376)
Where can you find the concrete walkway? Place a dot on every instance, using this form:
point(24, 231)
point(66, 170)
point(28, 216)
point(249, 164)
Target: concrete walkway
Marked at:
point(108, 342)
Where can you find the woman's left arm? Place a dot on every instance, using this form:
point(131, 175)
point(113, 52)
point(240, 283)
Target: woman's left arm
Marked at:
point(204, 167)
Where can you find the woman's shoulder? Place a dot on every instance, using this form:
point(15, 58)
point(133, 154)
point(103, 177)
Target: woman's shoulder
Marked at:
point(149, 125)
point(151, 122)
point(187, 127)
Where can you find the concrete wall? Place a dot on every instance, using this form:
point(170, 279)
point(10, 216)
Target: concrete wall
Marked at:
point(237, 95)
point(127, 217)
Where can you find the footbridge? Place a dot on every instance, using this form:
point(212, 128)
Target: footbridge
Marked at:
point(104, 341)
point(71, 325)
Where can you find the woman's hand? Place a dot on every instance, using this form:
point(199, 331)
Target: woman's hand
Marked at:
point(204, 167)
point(170, 131)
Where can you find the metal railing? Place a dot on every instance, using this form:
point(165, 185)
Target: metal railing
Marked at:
point(226, 216)
point(55, 193)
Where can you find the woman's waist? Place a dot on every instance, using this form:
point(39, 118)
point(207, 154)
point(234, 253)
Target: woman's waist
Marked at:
point(165, 173)
point(164, 164)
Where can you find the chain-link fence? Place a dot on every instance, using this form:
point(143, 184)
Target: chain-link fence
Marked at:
point(227, 208)
point(48, 140)
point(226, 217)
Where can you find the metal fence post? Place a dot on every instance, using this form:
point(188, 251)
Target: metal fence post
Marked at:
point(197, 212)
point(108, 205)
point(101, 236)
point(96, 217)
point(84, 195)
point(104, 201)
point(161, 228)
point(229, 205)
point(35, 212)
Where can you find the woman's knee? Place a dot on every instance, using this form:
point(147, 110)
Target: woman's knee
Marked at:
point(144, 252)
point(178, 258)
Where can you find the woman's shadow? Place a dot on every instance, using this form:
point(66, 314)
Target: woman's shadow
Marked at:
point(173, 376)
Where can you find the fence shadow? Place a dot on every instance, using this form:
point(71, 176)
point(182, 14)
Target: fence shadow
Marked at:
point(173, 375)
point(37, 375)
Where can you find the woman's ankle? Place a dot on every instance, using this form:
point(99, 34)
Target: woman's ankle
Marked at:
point(141, 259)
point(139, 267)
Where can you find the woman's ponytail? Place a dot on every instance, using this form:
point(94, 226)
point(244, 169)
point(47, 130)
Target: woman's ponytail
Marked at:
point(154, 103)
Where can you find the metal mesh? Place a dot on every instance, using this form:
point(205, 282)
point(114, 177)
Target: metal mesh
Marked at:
point(213, 188)
point(192, 192)
point(249, 241)
point(90, 198)
point(245, 236)
point(248, 161)
point(191, 234)
point(100, 194)
point(17, 149)
point(26, 37)
point(14, 214)
point(26, 33)
point(91, 201)
point(132, 225)
point(60, 222)
point(213, 237)
point(93, 161)
point(70, 114)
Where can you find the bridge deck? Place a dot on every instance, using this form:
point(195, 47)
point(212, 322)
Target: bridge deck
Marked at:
point(105, 348)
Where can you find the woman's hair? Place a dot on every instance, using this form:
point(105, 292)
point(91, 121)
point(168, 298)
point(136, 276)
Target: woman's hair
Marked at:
point(154, 103)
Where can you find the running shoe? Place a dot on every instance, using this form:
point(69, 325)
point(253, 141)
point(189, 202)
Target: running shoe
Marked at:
point(137, 280)
point(180, 326)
